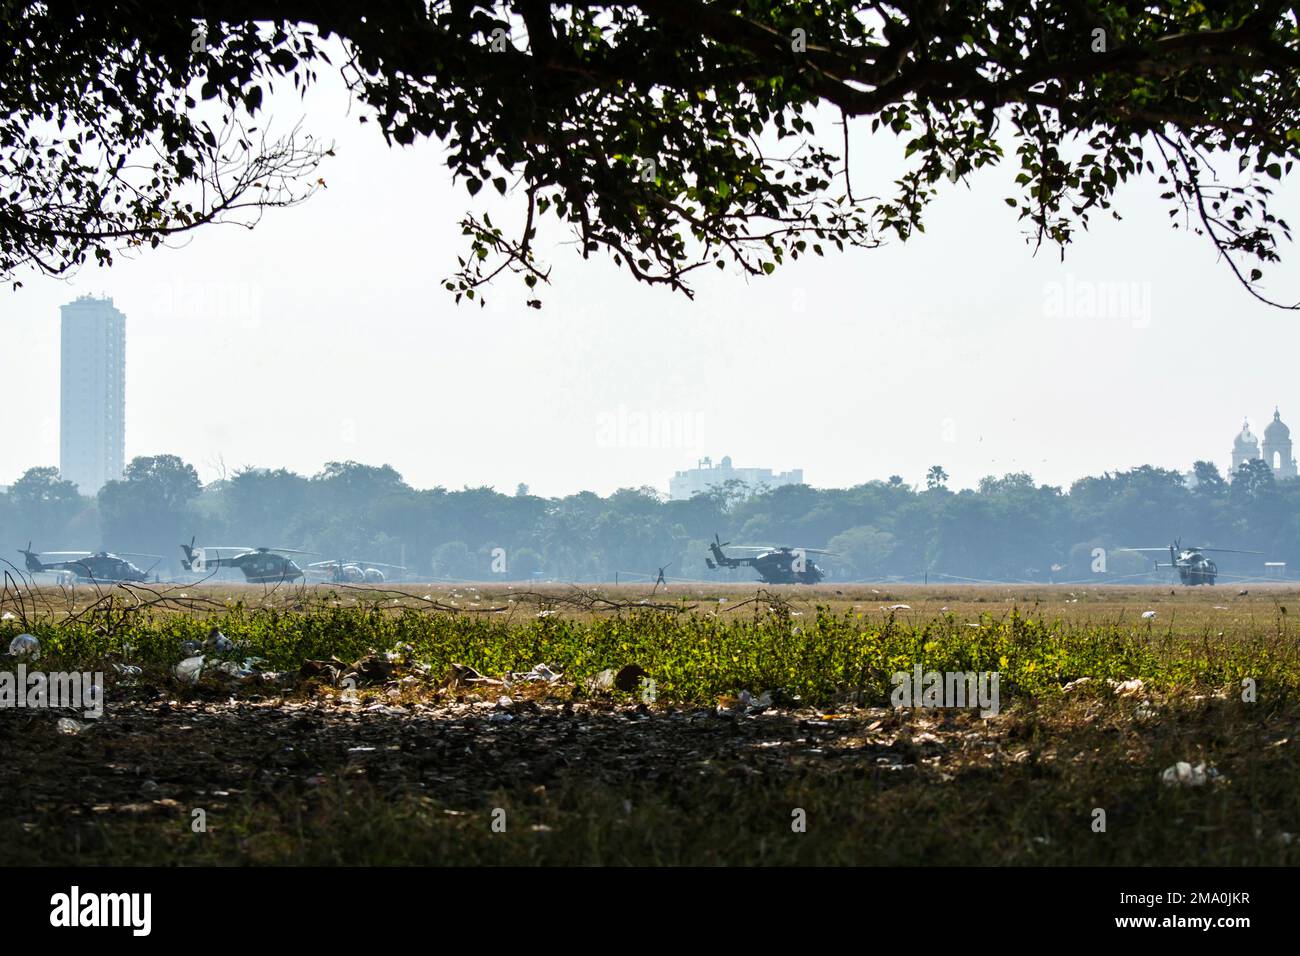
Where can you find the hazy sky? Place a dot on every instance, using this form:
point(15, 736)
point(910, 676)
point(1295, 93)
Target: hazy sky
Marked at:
point(325, 334)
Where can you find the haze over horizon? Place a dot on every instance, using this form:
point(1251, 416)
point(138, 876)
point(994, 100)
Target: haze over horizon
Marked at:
point(325, 334)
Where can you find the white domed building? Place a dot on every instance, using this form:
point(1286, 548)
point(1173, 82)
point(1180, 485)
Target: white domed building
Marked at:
point(1276, 449)
point(1245, 447)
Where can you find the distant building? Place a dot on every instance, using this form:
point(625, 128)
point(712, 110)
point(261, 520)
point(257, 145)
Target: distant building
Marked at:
point(706, 475)
point(92, 396)
point(1276, 449)
point(1245, 447)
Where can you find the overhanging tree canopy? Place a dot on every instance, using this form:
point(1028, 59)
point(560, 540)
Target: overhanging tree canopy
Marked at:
point(670, 134)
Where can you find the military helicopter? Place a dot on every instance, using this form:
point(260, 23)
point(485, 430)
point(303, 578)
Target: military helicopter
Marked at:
point(260, 565)
point(353, 572)
point(1191, 563)
point(101, 567)
point(774, 565)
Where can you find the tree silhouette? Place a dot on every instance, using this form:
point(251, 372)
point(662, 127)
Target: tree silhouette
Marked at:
point(670, 135)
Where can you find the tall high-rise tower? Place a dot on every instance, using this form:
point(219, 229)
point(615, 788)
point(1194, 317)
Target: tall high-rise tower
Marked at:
point(92, 399)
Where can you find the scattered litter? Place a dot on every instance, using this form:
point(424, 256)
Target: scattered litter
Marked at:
point(25, 645)
point(67, 725)
point(7, 616)
point(744, 703)
point(604, 681)
point(1148, 615)
point(190, 648)
point(898, 607)
point(127, 670)
point(218, 643)
point(386, 710)
point(371, 669)
point(464, 674)
point(1127, 688)
point(188, 670)
point(1076, 684)
point(399, 654)
point(500, 717)
point(1183, 774)
point(539, 673)
point(231, 669)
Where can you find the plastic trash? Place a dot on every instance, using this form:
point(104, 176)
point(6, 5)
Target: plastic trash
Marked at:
point(66, 725)
point(539, 673)
point(218, 643)
point(464, 674)
point(1128, 688)
point(188, 670)
point(233, 670)
point(190, 648)
point(1148, 615)
point(1183, 774)
point(25, 645)
point(750, 702)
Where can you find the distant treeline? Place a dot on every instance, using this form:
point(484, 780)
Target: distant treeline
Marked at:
point(1007, 529)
